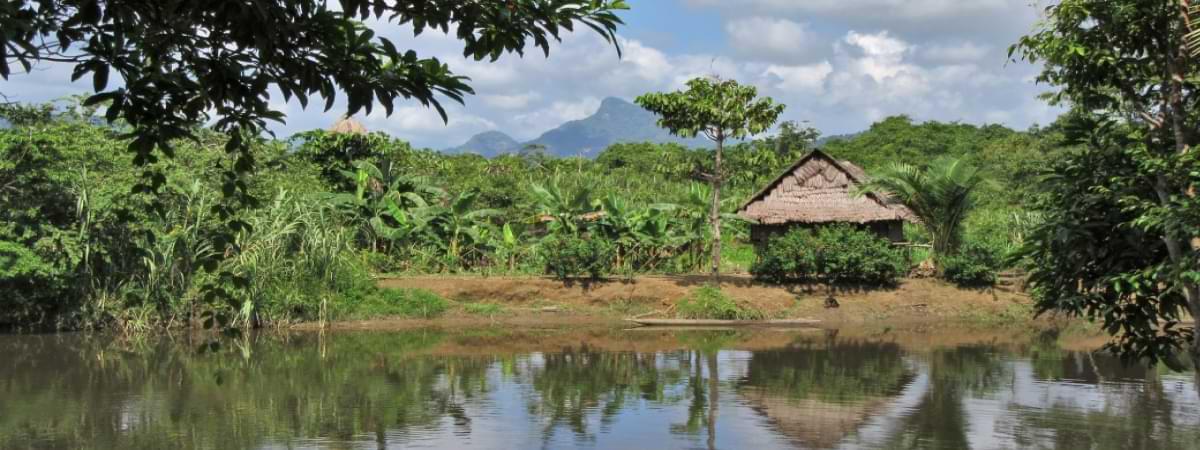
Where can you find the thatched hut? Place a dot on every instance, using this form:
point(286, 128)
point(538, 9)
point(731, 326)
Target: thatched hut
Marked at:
point(817, 190)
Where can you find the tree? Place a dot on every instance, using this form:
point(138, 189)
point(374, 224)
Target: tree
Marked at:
point(1125, 66)
point(180, 63)
point(720, 110)
point(940, 194)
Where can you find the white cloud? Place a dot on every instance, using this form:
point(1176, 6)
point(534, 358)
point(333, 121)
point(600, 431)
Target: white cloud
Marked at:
point(882, 55)
point(771, 39)
point(964, 51)
point(806, 78)
point(513, 101)
point(1007, 18)
point(534, 123)
point(420, 123)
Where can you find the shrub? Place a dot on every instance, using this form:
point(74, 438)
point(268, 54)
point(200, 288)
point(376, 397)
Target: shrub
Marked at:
point(833, 254)
point(709, 302)
point(791, 256)
point(846, 254)
point(568, 256)
point(975, 264)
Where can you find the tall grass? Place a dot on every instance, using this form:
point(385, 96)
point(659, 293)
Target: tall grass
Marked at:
point(297, 257)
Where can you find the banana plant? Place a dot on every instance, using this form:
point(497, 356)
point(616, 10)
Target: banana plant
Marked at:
point(568, 213)
point(509, 244)
point(459, 228)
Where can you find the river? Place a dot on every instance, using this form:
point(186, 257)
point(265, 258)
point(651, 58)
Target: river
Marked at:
point(491, 388)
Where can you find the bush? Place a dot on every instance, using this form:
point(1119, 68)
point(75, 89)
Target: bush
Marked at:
point(568, 256)
point(833, 254)
point(709, 302)
point(975, 264)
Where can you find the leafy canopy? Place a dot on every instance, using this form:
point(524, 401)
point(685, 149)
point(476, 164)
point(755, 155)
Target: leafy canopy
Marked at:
point(1121, 242)
point(180, 62)
point(718, 109)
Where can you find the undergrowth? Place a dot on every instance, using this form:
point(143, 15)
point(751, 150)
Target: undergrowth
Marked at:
point(709, 302)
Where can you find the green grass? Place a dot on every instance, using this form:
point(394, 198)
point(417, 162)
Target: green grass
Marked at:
point(415, 303)
point(737, 256)
point(709, 302)
point(484, 309)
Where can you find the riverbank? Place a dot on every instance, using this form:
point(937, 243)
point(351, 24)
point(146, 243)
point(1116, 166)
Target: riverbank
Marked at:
point(545, 302)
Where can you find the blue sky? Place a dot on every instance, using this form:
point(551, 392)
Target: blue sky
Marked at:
point(838, 64)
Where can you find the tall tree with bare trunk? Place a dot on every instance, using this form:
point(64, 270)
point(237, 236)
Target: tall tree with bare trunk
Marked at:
point(720, 110)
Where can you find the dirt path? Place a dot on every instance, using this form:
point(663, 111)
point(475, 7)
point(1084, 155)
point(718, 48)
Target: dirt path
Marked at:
point(540, 300)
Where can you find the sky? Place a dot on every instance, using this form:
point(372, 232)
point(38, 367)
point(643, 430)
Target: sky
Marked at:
point(838, 65)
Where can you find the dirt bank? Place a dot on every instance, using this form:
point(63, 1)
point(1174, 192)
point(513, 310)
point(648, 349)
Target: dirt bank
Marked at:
point(539, 301)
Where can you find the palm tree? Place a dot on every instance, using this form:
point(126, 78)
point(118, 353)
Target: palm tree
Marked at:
point(940, 194)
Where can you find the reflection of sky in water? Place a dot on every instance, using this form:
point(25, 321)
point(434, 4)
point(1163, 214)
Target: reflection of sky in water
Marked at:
point(503, 419)
point(829, 394)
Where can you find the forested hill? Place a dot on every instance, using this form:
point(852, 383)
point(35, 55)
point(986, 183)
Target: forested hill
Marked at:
point(616, 121)
point(1010, 159)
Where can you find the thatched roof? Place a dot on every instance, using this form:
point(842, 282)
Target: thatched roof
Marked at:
point(348, 125)
point(820, 189)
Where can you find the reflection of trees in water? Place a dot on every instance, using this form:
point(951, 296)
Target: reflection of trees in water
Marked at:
point(816, 392)
point(578, 382)
point(86, 393)
point(940, 420)
point(574, 383)
point(1140, 415)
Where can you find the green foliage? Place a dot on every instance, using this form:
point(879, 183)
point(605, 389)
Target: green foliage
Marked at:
point(940, 194)
point(833, 254)
point(1092, 255)
point(174, 81)
point(708, 302)
point(1121, 241)
point(340, 207)
point(718, 109)
point(414, 303)
point(568, 256)
point(976, 264)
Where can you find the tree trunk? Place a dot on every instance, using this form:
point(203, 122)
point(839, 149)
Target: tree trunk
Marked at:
point(715, 215)
point(1178, 246)
point(713, 386)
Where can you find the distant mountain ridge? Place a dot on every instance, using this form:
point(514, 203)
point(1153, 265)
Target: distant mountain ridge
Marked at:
point(616, 121)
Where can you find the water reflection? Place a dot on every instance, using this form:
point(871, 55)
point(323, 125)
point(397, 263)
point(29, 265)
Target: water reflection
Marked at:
point(593, 389)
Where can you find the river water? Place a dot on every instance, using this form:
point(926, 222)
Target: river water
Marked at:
point(593, 388)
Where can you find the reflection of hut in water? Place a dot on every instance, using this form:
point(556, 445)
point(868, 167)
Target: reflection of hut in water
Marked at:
point(816, 395)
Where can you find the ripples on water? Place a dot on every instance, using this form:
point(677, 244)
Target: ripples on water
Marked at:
point(590, 389)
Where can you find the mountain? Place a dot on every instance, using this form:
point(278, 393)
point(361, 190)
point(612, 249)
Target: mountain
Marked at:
point(615, 121)
point(488, 144)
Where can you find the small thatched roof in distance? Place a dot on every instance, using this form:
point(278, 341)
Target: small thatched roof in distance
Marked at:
point(820, 189)
point(348, 125)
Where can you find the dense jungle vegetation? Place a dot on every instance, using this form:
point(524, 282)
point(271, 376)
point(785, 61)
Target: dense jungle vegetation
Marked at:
point(80, 248)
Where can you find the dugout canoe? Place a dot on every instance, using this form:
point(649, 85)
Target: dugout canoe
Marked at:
point(724, 323)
